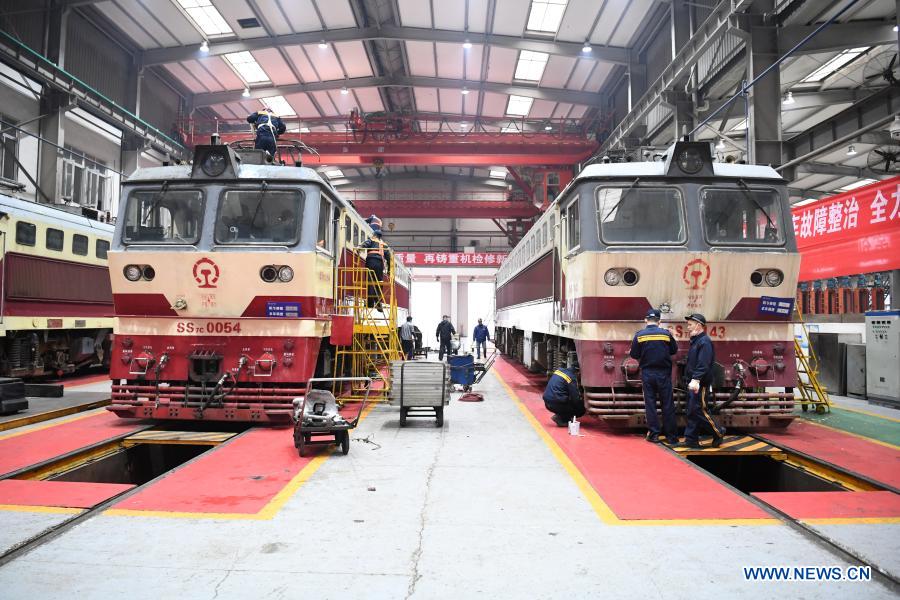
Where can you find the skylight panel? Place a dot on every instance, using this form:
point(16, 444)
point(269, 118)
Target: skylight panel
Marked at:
point(546, 15)
point(531, 65)
point(247, 67)
point(334, 174)
point(804, 202)
point(519, 106)
point(206, 17)
point(279, 105)
point(856, 184)
point(498, 173)
point(833, 65)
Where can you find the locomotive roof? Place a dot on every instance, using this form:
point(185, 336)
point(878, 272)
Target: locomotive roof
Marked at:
point(658, 169)
point(246, 171)
point(44, 213)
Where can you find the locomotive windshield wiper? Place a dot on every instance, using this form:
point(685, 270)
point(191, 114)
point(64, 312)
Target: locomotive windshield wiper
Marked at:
point(165, 190)
point(622, 199)
point(771, 229)
point(265, 188)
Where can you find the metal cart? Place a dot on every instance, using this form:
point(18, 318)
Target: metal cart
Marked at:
point(318, 427)
point(423, 389)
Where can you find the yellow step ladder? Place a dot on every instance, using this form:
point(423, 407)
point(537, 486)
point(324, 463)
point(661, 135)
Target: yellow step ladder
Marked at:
point(375, 340)
point(812, 393)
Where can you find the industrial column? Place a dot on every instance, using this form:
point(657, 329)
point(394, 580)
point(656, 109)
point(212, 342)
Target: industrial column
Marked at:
point(764, 126)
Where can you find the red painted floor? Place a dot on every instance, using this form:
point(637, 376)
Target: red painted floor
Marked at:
point(872, 460)
point(26, 449)
point(67, 494)
point(241, 476)
point(636, 479)
point(834, 505)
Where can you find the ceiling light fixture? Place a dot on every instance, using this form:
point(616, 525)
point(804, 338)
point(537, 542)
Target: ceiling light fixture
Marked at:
point(246, 93)
point(323, 45)
point(345, 91)
point(851, 151)
point(788, 99)
point(467, 44)
point(465, 91)
point(895, 29)
point(204, 47)
point(721, 144)
point(548, 127)
point(586, 48)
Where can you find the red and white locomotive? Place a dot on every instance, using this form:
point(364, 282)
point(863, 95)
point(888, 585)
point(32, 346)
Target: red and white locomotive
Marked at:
point(683, 235)
point(223, 277)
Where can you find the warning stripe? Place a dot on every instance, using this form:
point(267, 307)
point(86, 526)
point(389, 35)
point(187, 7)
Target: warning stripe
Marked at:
point(733, 443)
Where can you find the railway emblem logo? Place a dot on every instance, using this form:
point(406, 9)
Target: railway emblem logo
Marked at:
point(696, 274)
point(206, 273)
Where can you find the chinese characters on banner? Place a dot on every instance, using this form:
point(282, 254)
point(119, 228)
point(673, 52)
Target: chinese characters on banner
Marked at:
point(863, 211)
point(452, 259)
point(854, 232)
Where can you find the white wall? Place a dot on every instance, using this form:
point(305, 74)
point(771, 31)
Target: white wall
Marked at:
point(425, 308)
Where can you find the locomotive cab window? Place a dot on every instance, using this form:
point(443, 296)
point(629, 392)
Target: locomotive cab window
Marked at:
point(742, 216)
point(55, 239)
point(163, 217)
point(101, 249)
point(573, 227)
point(26, 233)
point(640, 215)
point(79, 245)
point(324, 233)
point(259, 217)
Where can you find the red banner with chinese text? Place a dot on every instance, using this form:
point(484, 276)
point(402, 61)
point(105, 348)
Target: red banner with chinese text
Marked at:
point(452, 259)
point(851, 233)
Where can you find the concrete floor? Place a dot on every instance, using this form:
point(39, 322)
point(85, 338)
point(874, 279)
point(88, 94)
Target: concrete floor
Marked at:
point(478, 508)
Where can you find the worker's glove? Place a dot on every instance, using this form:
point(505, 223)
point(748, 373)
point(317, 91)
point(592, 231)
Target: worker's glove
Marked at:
point(694, 385)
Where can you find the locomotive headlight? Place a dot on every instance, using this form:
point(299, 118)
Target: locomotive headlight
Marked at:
point(285, 274)
point(214, 164)
point(690, 161)
point(774, 278)
point(268, 273)
point(612, 277)
point(148, 272)
point(630, 277)
point(132, 272)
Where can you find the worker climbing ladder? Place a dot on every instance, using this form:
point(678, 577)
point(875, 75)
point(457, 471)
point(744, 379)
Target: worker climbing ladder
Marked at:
point(375, 342)
point(812, 392)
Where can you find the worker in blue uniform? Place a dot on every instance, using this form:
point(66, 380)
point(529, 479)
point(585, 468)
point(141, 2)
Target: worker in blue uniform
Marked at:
point(481, 335)
point(378, 256)
point(654, 346)
point(562, 396)
point(268, 127)
point(699, 374)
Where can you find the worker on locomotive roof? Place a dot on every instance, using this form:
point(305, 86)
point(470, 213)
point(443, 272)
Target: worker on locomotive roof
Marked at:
point(654, 346)
point(444, 334)
point(377, 256)
point(699, 374)
point(374, 222)
point(562, 396)
point(268, 127)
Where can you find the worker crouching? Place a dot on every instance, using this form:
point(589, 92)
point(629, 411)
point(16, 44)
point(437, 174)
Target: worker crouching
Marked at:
point(562, 396)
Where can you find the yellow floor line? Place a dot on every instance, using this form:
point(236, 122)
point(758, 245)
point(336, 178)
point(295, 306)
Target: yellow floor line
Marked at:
point(53, 423)
point(600, 507)
point(856, 435)
point(866, 412)
point(266, 513)
point(41, 509)
point(853, 521)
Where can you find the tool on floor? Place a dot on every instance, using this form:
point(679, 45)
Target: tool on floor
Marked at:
point(317, 420)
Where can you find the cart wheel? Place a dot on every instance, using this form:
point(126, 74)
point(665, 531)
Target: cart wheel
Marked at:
point(805, 407)
point(345, 443)
point(821, 409)
point(467, 388)
point(403, 412)
point(300, 442)
point(439, 418)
